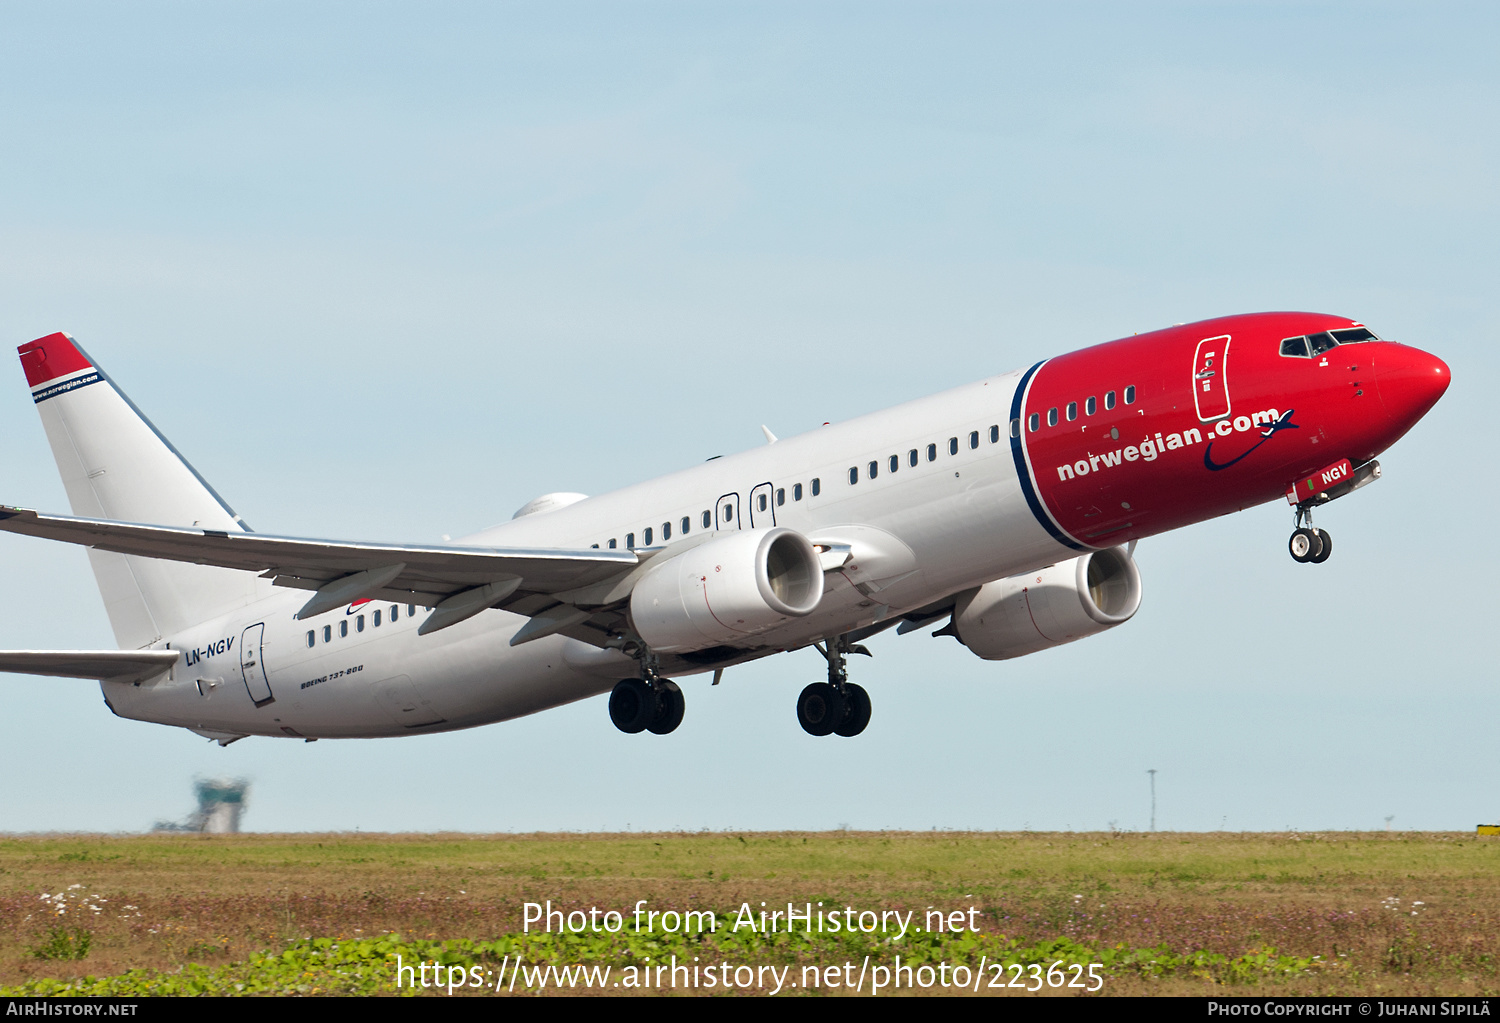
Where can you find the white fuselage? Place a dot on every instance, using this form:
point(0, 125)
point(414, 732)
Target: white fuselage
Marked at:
point(917, 535)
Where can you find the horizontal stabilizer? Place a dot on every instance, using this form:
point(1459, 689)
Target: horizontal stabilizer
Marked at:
point(429, 573)
point(104, 665)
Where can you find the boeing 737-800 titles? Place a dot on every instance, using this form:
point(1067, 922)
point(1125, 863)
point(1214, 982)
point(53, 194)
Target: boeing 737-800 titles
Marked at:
point(1007, 510)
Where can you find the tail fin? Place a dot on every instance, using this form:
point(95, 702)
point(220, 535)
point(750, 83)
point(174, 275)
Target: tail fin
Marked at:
point(115, 465)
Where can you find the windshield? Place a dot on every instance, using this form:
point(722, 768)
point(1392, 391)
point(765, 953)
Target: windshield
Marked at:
point(1309, 345)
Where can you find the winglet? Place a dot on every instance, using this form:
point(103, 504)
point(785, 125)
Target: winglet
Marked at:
point(51, 358)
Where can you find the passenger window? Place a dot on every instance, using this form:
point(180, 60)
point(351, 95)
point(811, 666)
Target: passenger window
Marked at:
point(708, 521)
point(1072, 411)
point(666, 531)
point(395, 612)
point(312, 637)
point(912, 458)
point(874, 469)
point(1321, 342)
point(973, 439)
point(375, 619)
point(1033, 422)
point(1091, 406)
point(630, 541)
point(648, 536)
point(1130, 395)
point(1109, 399)
point(411, 609)
point(817, 486)
point(994, 435)
point(729, 513)
point(952, 445)
point(895, 462)
point(611, 543)
point(328, 633)
point(1015, 428)
point(593, 547)
point(932, 452)
point(853, 475)
point(359, 624)
point(780, 496)
point(1295, 347)
point(686, 522)
point(760, 500)
point(796, 491)
point(1052, 417)
point(343, 628)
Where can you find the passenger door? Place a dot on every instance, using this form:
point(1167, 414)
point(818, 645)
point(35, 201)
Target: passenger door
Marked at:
point(1210, 386)
point(252, 669)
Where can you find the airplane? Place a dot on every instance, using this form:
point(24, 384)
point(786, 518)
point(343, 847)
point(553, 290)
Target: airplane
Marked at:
point(1008, 510)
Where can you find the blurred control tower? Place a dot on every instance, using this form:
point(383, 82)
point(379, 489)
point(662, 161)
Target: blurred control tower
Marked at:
point(221, 802)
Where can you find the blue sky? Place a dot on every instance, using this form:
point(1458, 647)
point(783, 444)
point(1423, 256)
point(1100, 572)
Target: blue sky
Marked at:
point(388, 272)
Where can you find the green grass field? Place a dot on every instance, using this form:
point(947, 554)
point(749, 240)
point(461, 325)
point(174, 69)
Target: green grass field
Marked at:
point(1303, 914)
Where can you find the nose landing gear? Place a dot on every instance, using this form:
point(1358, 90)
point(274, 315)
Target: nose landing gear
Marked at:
point(838, 706)
point(1308, 543)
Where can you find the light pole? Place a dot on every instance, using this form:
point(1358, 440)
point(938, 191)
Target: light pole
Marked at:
point(1152, 773)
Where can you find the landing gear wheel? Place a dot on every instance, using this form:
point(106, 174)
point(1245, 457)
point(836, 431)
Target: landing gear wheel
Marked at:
point(633, 705)
point(1304, 545)
point(669, 707)
point(857, 711)
point(820, 708)
point(1326, 539)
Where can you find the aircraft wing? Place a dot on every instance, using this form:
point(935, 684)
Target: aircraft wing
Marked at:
point(104, 665)
point(456, 581)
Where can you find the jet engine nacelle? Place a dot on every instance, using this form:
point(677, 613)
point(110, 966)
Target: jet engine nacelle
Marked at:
point(1022, 614)
point(726, 590)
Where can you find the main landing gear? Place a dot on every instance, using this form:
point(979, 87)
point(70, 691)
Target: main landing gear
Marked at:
point(838, 706)
point(650, 704)
point(1309, 544)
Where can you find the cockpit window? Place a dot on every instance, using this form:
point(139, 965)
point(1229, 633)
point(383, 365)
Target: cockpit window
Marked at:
point(1317, 344)
point(1321, 342)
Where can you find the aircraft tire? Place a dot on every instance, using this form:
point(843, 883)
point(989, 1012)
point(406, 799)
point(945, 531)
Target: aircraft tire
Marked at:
point(1326, 548)
point(632, 705)
point(857, 711)
point(669, 708)
point(819, 709)
point(1303, 545)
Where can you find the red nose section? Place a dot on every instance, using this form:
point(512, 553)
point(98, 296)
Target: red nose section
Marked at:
point(1411, 381)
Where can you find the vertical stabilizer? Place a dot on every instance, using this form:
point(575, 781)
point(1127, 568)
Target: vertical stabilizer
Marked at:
point(115, 465)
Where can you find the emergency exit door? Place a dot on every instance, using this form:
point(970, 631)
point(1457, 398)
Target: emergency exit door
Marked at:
point(727, 512)
point(762, 507)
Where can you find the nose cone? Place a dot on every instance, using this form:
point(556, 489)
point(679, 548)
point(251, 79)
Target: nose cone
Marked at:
point(1410, 381)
